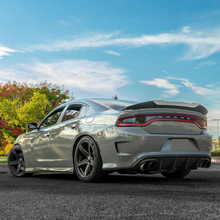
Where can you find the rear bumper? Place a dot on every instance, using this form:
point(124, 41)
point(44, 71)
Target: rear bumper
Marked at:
point(173, 162)
point(125, 148)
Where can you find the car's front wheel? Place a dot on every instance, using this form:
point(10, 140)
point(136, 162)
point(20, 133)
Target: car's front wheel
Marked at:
point(16, 163)
point(87, 160)
point(177, 174)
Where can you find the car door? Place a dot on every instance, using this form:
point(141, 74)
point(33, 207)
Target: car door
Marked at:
point(40, 144)
point(62, 137)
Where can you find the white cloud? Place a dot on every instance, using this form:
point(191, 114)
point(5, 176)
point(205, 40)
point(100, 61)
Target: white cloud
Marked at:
point(152, 49)
point(112, 52)
point(96, 77)
point(197, 89)
point(212, 85)
point(62, 22)
point(172, 89)
point(94, 40)
point(6, 51)
point(205, 63)
point(163, 83)
point(186, 29)
point(200, 43)
point(165, 71)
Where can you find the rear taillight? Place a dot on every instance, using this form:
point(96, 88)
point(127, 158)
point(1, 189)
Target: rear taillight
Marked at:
point(144, 120)
point(130, 121)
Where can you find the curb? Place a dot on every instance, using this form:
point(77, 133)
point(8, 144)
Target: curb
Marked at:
point(215, 160)
point(3, 164)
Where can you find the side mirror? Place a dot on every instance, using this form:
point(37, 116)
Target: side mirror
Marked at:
point(32, 126)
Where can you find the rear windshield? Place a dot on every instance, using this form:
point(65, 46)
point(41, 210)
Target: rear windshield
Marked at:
point(116, 105)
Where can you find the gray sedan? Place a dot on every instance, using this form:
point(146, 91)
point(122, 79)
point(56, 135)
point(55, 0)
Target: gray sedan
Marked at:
point(94, 137)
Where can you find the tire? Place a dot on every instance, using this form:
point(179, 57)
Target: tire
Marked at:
point(87, 160)
point(16, 163)
point(177, 174)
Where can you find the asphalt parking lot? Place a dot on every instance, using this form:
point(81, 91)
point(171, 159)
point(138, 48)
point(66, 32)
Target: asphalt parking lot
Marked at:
point(59, 196)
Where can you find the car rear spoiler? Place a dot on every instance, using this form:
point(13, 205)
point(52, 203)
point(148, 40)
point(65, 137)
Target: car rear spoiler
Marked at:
point(164, 104)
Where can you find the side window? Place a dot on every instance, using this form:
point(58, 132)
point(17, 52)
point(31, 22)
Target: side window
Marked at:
point(83, 111)
point(71, 112)
point(53, 118)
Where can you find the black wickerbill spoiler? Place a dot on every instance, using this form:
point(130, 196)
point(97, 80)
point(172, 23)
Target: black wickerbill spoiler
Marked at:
point(164, 104)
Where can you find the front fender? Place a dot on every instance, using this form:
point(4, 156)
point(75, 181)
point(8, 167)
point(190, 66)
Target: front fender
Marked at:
point(21, 141)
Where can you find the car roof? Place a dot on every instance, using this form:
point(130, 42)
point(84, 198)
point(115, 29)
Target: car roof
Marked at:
point(101, 104)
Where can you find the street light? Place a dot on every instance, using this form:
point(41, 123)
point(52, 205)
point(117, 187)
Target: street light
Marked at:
point(217, 128)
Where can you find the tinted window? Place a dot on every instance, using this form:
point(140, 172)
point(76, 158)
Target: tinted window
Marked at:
point(53, 118)
point(71, 112)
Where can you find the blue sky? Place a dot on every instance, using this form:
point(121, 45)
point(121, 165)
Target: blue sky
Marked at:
point(139, 50)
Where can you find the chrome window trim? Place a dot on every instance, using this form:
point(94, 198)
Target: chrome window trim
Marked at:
point(62, 114)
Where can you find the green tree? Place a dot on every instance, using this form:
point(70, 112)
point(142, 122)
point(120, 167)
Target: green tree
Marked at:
point(21, 103)
point(19, 114)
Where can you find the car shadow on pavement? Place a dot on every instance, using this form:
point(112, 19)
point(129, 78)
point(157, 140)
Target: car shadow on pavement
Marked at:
point(126, 179)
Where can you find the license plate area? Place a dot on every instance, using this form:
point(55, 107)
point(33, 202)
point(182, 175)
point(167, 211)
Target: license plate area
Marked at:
point(183, 145)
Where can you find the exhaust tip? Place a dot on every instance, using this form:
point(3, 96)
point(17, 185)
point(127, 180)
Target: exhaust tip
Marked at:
point(149, 165)
point(202, 163)
point(205, 163)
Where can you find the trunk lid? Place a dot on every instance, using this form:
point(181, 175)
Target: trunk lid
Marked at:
point(160, 117)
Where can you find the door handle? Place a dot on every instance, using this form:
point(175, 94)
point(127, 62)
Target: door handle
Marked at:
point(47, 134)
point(73, 126)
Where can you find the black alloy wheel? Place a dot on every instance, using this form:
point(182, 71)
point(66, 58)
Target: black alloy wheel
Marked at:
point(16, 162)
point(87, 160)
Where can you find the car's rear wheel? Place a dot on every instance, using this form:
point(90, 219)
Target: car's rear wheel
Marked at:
point(16, 163)
point(87, 160)
point(177, 174)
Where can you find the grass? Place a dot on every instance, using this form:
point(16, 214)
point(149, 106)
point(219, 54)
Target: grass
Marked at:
point(3, 157)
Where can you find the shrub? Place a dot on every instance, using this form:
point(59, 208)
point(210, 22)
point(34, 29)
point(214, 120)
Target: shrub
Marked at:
point(8, 148)
point(216, 152)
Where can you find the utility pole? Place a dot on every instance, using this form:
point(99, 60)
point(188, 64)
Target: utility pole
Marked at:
point(217, 128)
